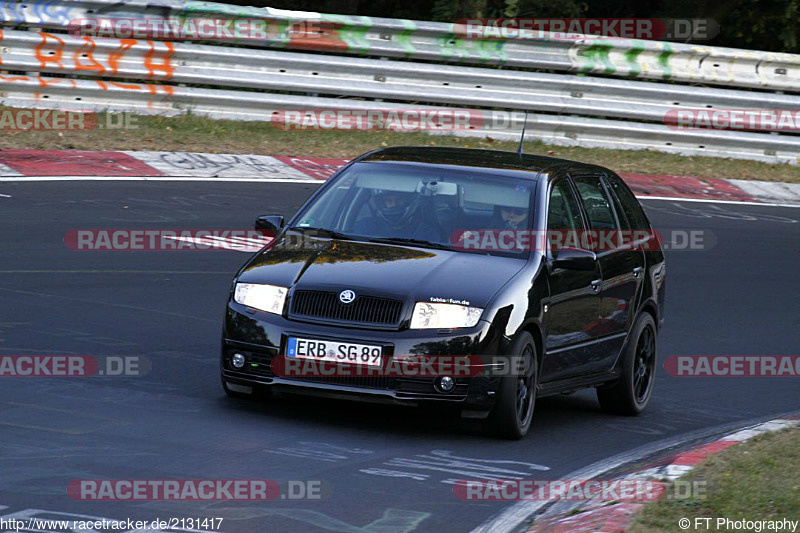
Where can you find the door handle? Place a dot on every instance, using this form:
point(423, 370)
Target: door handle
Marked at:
point(638, 271)
point(596, 284)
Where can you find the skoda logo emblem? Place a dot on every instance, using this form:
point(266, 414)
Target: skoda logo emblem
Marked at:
point(347, 297)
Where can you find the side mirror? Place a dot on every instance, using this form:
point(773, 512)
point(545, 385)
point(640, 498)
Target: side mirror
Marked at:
point(270, 222)
point(575, 259)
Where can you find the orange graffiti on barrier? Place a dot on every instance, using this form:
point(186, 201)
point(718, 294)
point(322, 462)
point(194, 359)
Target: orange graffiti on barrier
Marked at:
point(50, 53)
point(87, 51)
point(126, 86)
point(157, 60)
point(152, 89)
point(114, 57)
point(53, 55)
point(12, 79)
point(104, 86)
point(45, 82)
point(165, 66)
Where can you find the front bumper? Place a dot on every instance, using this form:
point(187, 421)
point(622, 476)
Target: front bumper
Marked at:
point(262, 336)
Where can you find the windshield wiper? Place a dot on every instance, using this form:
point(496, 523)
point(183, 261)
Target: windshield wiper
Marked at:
point(419, 242)
point(326, 232)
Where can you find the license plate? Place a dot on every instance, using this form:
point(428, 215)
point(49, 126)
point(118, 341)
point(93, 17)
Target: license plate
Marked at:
point(340, 352)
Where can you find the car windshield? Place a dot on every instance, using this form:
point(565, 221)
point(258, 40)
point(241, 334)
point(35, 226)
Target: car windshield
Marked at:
point(419, 205)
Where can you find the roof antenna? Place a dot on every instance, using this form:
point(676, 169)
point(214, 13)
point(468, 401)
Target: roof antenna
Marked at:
point(522, 138)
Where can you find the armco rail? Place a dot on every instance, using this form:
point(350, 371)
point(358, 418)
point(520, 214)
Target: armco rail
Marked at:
point(408, 62)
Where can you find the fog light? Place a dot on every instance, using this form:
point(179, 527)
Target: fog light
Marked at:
point(237, 360)
point(446, 384)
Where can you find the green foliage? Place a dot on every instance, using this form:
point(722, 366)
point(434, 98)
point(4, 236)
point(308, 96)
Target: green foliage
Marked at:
point(511, 8)
point(761, 25)
point(445, 10)
point(549, 9)
point(771, 25)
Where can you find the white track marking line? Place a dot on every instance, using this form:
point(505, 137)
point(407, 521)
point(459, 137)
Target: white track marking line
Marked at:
point(715, 201)
point(320, 182)
point(154, 178)
point(212, 272)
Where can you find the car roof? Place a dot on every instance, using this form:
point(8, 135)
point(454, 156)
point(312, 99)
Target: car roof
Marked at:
point(528, 166)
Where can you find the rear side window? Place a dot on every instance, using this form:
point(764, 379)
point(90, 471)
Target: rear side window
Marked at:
point(630, 205)
point(563, 212)
point(596, 203)
point(621, 217)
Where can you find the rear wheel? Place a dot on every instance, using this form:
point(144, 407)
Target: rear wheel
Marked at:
point(516, 395)
point(630, 394)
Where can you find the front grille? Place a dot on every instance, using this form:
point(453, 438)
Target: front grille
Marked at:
point(364, 310)
point(259, 365)
point(379, 382)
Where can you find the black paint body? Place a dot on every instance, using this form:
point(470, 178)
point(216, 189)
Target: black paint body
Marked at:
point(579, 337)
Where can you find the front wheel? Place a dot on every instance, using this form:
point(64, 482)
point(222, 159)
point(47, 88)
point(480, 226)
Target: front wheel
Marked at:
point(516, 395)
point(630, 394)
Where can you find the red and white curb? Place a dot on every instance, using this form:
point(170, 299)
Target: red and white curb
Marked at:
point(22, 165)
point(600, 516)
point(774, 191)
point(65, 165)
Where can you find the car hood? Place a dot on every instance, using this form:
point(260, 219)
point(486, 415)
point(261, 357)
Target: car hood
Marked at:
point(399, 271)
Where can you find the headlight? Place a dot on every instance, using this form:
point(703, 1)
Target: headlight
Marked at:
point(444, 316)
point(267, 298)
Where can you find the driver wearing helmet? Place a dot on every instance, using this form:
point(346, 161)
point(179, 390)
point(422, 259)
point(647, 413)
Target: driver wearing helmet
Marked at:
point(507, 217)
point(396, 214)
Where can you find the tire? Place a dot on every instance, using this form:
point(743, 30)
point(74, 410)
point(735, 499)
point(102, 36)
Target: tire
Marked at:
point(259, 393)
point(630, 394)
point(516, 396)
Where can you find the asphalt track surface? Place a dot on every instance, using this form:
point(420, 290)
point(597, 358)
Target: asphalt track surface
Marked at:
point(386, 469)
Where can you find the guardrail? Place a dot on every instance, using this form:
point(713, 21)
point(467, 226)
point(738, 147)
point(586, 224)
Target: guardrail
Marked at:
point(407, 62)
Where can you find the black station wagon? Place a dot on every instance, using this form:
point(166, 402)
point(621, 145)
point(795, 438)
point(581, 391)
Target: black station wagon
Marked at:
point(417, 254)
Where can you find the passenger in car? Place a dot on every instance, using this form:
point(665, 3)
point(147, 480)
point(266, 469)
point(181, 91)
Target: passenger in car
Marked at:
point(507, 217)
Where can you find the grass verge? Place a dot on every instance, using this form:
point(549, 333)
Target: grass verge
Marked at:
point(755, 480)
point(197, 134)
